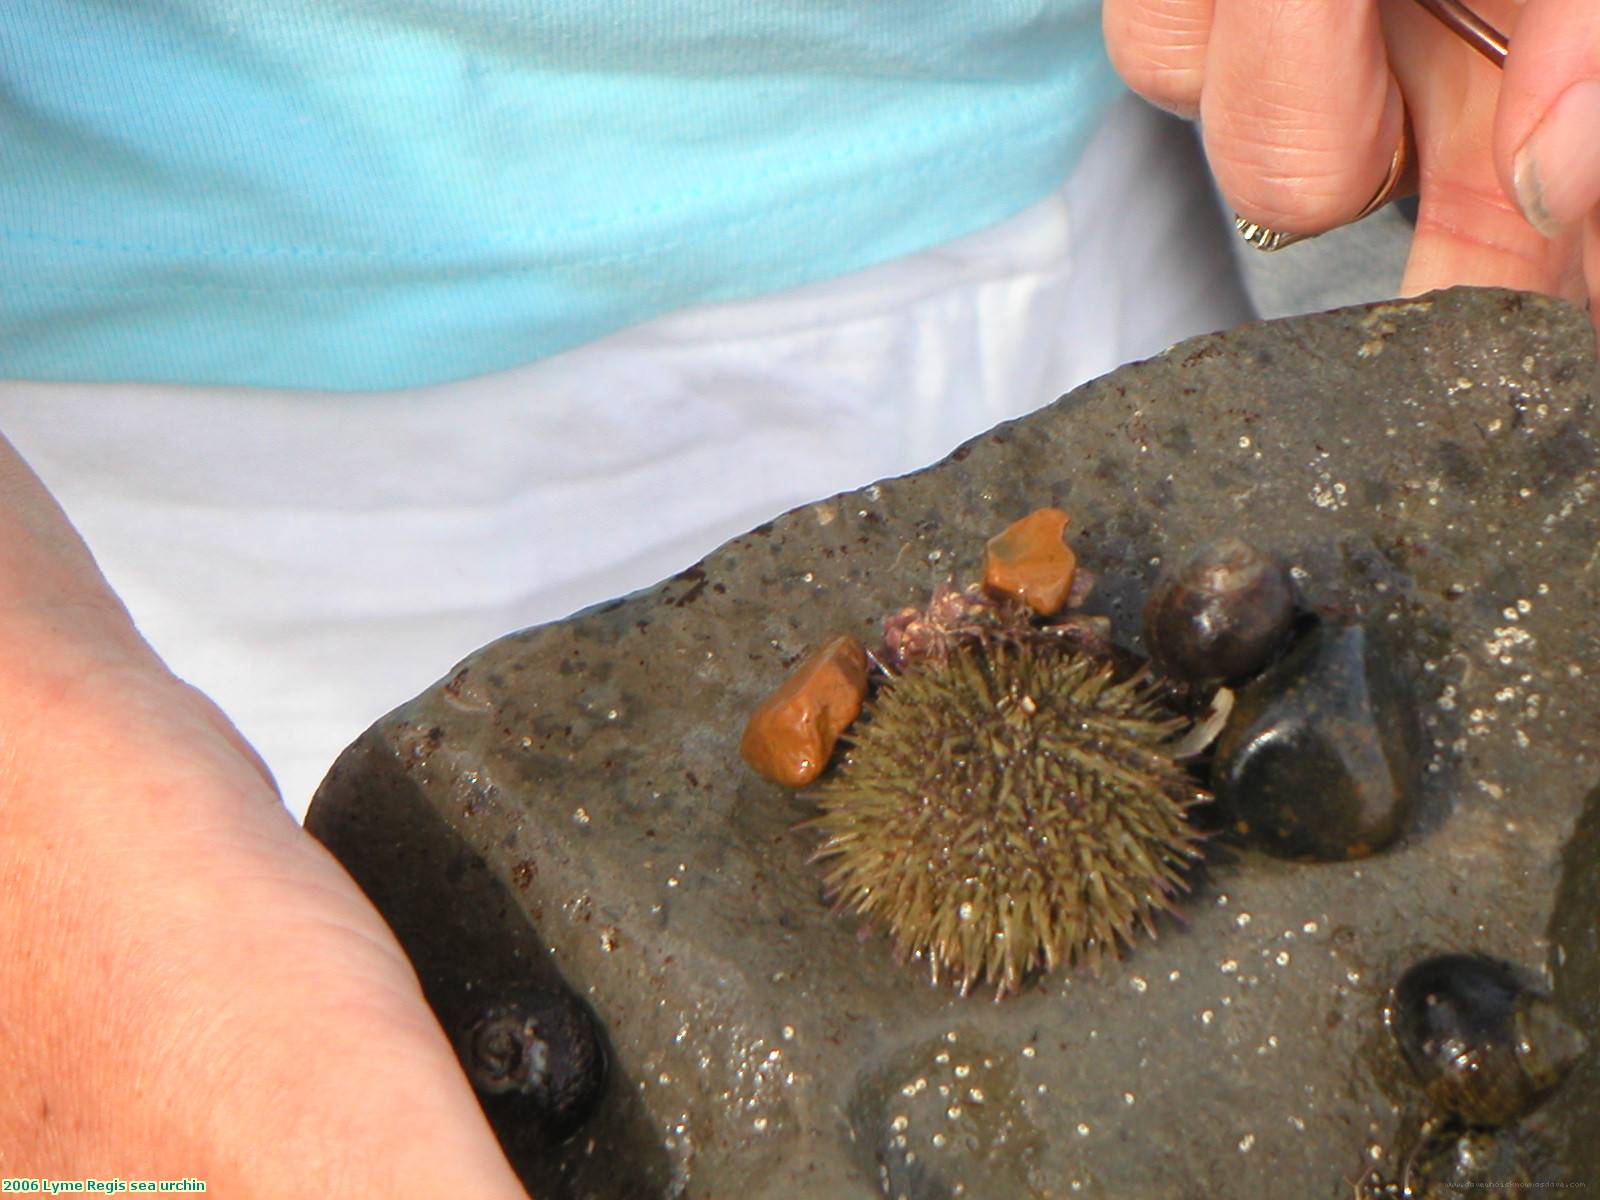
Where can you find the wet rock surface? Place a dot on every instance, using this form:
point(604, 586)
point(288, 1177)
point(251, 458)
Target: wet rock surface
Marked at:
point(568, 808)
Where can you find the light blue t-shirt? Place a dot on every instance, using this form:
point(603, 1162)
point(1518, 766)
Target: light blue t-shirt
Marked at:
point(383, 193)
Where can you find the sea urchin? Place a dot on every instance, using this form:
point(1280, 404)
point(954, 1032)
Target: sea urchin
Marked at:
point(1008, 809)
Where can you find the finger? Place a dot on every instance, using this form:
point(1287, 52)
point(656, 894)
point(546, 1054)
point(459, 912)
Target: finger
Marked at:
point(1591, 265)
point(1547, 130)
point(1159, 48)
point(1468, 229)
point(1300, 113)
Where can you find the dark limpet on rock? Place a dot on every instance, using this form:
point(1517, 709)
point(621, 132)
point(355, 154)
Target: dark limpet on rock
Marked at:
point(1318, 759)
point(1485, 1048)
point(540, 1049)
point(1219, 614)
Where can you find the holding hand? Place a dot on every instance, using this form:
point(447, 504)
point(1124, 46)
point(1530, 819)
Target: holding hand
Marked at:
point(189, 985)
point(1305, 107)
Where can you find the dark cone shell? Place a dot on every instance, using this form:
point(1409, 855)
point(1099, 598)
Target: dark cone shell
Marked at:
point(1011, 809)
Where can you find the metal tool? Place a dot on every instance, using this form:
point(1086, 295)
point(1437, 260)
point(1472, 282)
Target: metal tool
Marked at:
point(1470, 28)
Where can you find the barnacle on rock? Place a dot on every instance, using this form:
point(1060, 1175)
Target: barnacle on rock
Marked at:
point(1006, 808)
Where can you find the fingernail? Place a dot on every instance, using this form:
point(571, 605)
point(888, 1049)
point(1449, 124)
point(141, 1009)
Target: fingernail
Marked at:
point(1557, 171)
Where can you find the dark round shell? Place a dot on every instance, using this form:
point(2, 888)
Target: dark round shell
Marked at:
point(1485, 1048)
point(544, 1050)
point(1219, 614)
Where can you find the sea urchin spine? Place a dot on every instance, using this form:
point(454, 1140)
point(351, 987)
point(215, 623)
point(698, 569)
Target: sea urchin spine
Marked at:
point(1009, 809)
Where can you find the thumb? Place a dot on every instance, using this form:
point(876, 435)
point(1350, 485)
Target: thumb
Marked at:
point(1547, 125)
point(1468, 229)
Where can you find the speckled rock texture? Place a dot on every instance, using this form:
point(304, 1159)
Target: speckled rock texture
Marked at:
point(567, 808)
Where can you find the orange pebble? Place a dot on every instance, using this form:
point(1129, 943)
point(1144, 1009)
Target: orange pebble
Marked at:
point(1031, 561)
point(791, 736)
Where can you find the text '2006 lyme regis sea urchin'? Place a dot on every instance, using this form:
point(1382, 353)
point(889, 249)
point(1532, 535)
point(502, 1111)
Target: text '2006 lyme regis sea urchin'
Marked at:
point(1007, 804)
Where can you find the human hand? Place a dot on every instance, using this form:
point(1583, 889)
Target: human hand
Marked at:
point(1302, 104)
point(189, 985)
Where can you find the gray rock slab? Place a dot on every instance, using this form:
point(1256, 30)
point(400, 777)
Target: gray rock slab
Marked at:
point(568, 803)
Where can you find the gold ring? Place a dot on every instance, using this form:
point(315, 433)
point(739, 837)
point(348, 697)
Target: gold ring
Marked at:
point(1400, 180)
